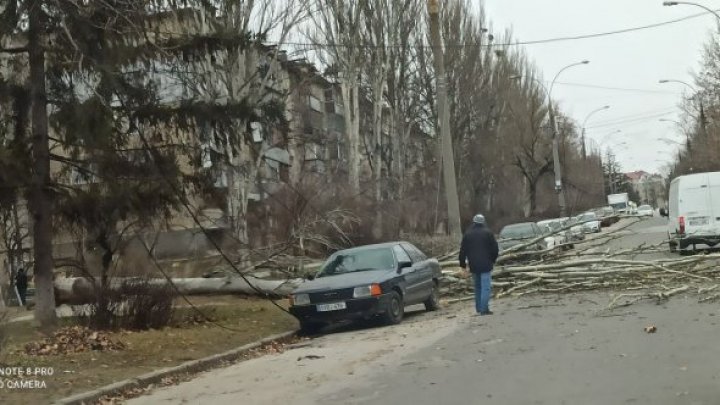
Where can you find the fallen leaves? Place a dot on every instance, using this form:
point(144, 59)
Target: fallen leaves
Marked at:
point(74, 339)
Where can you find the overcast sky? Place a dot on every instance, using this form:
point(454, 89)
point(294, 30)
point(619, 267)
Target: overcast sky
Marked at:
point(635, 60)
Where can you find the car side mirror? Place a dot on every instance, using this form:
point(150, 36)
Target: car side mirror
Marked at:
point(403, 265)
point(664, 213)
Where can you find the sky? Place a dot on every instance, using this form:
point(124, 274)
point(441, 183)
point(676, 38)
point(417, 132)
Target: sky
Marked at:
point(635, 61)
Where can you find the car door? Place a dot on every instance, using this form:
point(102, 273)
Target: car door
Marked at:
point(424, 269)
point(411, 275)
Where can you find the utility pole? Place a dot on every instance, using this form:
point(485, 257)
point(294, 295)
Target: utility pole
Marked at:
point(556, 141)
point(556, 163)
point(446, 149)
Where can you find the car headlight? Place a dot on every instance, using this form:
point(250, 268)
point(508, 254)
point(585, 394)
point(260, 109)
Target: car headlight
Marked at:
point(301, 299)
point(371, 290)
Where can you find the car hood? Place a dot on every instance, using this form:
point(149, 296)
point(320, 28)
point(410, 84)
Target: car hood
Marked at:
point(347, 280)
point(507, 244)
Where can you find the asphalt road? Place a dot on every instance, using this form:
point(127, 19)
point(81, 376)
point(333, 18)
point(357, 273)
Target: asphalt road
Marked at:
point(644, 238)
point(566, 349)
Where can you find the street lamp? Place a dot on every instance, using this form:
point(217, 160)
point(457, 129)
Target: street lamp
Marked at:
point(695, 92)
point(556, 141)
point(607, 136)
point(679, 124)
point(603, 108)
point(675, 3)
point(691, 87)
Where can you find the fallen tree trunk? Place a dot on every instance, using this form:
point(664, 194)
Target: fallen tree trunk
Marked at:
point(76, 291)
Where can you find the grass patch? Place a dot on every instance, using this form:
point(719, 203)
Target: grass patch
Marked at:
point(189, 338)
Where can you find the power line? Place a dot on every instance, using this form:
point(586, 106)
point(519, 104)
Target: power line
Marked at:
point(632, 116)
point(507, 44)
point(593, 86)
point(633, 120)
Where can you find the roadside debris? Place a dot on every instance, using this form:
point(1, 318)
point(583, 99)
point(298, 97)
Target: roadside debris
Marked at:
point(73, 339)
point(310, 357)
point(650, 329)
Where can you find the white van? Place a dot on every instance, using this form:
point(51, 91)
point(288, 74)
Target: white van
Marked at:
point(694, 211)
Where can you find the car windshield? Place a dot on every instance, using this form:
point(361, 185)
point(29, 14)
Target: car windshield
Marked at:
point(359, 260)
point(645, 207)
point(553, 224)
point(588, 216)
point(518, 231)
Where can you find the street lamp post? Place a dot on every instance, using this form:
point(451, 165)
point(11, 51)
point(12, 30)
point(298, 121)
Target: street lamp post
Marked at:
point(687, 135)
point(696, 95)
point(556, 141)
point(584, 151)
point(708, 9)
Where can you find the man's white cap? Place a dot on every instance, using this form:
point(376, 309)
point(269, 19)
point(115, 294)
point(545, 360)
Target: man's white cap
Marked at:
point(479, 219)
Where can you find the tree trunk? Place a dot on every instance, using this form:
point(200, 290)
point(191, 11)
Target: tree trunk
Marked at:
point(377, 134)
point(40, 197)
point(532, 197)
point(352, 129)
point(297, 158)
point(76, 291)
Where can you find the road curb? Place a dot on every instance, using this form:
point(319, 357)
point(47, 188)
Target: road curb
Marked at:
point(153, 377)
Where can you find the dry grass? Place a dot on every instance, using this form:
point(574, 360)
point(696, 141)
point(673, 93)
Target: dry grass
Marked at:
point(189, 338)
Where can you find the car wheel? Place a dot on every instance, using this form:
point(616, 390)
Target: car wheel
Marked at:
point(395, 309)
point(673, 247)
point(310, 328)
point(433, 302)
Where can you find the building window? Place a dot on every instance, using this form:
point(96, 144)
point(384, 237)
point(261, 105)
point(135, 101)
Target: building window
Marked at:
point(257, 131)
point(315, 103)
point(80, 176)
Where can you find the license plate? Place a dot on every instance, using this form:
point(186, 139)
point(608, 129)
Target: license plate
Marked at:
point(335, 306)
point(698, 221)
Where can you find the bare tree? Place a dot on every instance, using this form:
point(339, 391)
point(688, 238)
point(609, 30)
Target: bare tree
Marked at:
point(338, 33)
point(244, 74)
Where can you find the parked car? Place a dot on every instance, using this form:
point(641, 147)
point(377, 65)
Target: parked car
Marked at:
point(694, 211)
point(645, 211)
point(517, 234)
point(366, 282)
point(555, 230)
point(606, 215)
point(576, 230)
point(590, 222)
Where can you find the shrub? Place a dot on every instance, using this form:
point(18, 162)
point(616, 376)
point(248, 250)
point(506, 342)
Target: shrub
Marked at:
point(135, 304)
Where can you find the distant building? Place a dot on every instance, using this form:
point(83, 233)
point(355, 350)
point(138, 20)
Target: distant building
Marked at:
point(650, 187)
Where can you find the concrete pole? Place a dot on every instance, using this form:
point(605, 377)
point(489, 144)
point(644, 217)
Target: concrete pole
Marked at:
point(556, 163)
point(556, 142)
point(448, 160)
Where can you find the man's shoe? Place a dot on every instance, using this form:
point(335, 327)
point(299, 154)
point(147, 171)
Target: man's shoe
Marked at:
point(486, 313)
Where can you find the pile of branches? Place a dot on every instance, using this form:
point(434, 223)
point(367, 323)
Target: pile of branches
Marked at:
point(593, 266)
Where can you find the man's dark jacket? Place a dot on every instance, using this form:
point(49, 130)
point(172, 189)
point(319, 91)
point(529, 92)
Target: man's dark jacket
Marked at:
point(21, 280)
point(480, 248)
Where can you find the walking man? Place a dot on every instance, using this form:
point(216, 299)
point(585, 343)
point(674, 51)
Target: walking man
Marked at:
point(480, 249)
point(21, 283)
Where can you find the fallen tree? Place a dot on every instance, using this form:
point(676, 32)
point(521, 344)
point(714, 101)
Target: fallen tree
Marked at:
point(519, 272)
point(80, 290)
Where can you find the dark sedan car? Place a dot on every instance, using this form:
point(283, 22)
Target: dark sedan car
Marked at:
point(373, 281)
